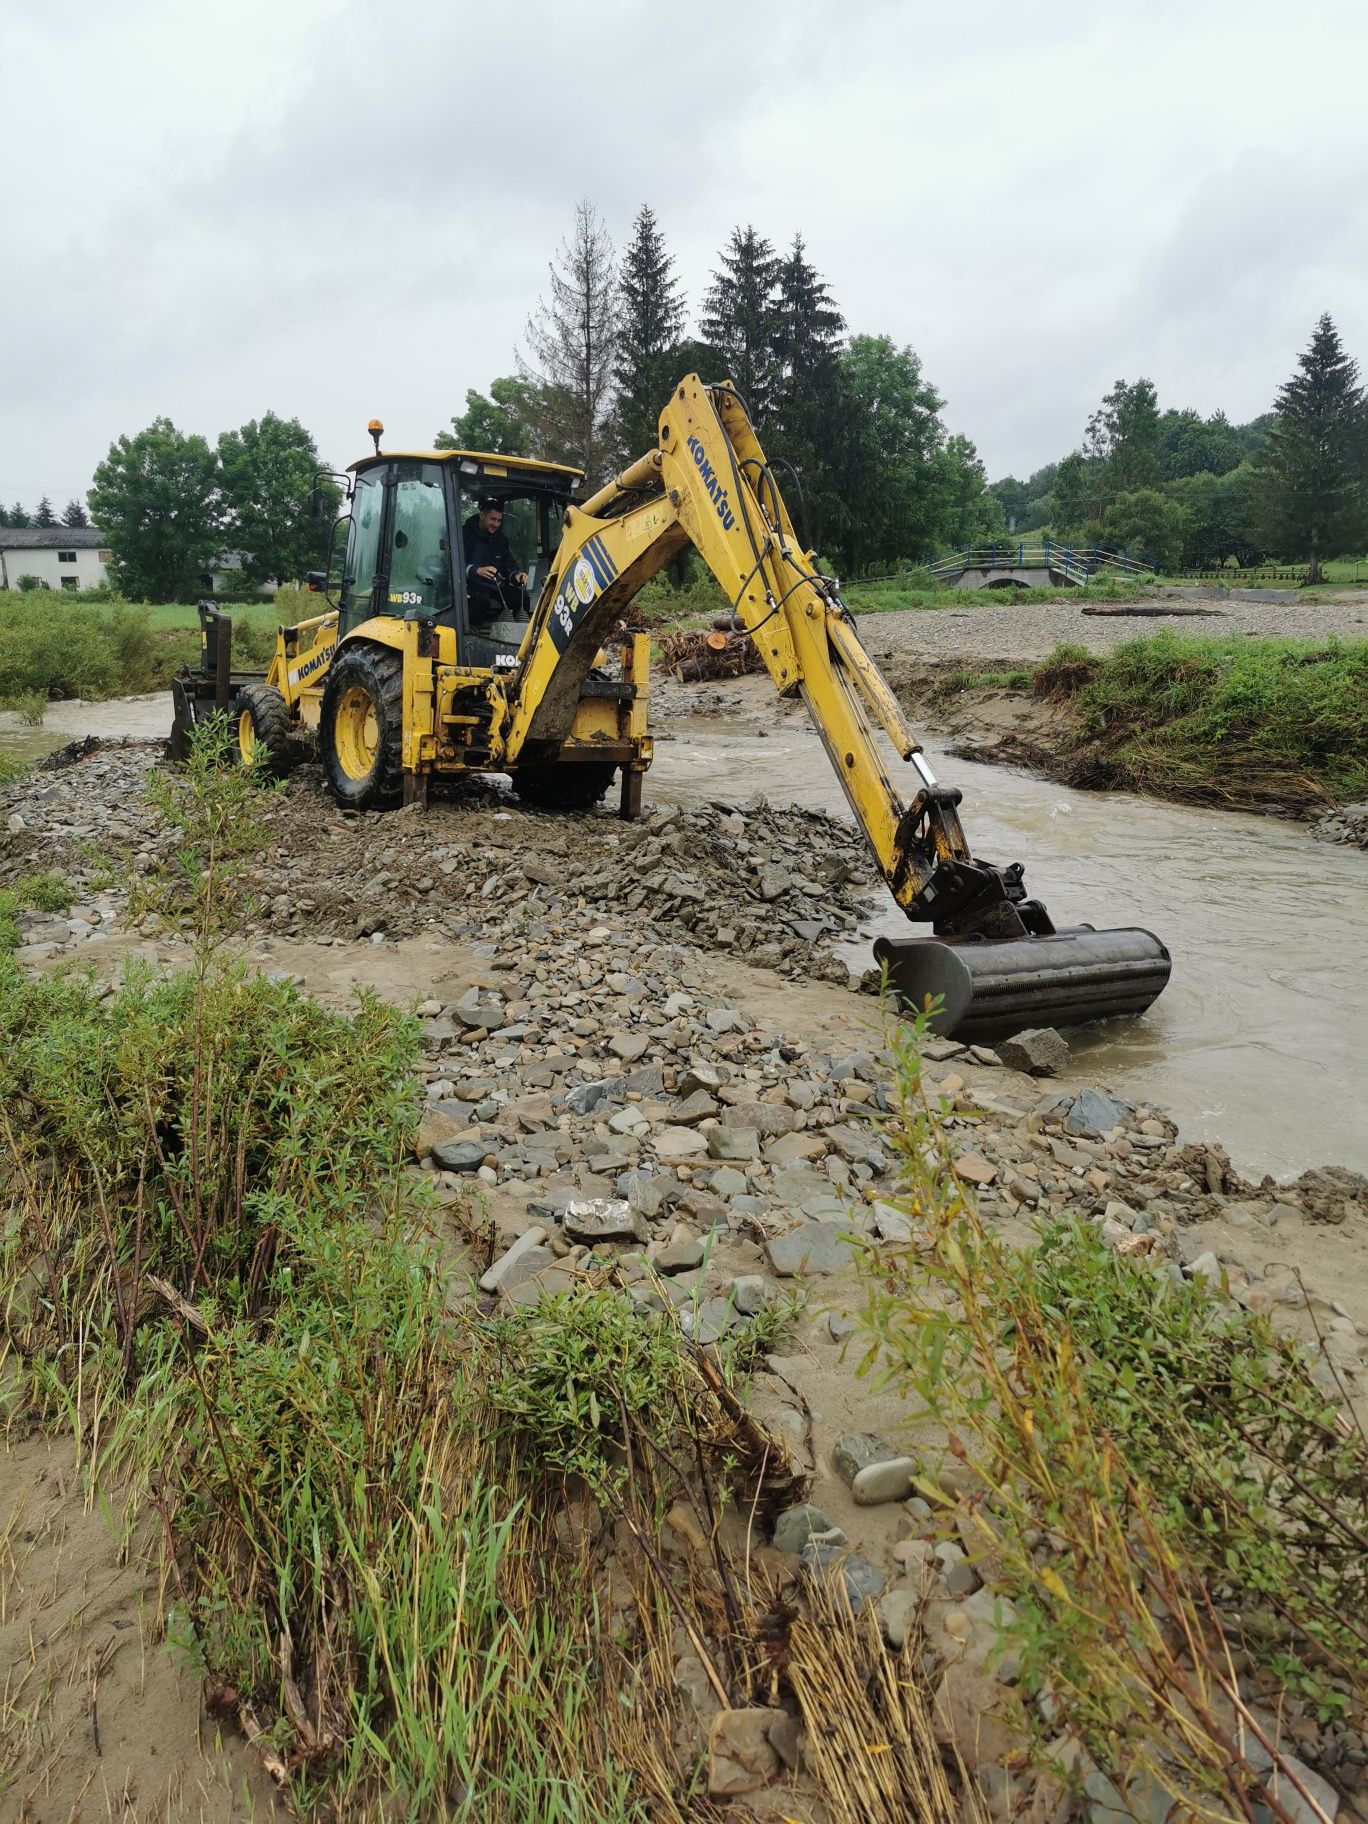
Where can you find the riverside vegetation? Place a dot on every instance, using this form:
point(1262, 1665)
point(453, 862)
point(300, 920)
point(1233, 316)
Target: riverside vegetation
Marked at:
point(1216, 721)
point(426, 1552)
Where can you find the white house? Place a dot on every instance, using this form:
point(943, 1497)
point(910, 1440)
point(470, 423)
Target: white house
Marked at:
point(63, 557)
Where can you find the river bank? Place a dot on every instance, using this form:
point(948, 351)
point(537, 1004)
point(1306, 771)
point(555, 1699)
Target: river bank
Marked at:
point(639, 1047)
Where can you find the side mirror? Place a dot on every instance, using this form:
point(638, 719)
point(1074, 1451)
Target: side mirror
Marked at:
point(316, 581)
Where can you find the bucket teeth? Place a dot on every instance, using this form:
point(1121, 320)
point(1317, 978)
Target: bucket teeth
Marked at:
point(993, 988)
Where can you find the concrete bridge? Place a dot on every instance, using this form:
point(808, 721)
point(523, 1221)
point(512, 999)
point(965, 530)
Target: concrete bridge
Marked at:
point(1041, 563)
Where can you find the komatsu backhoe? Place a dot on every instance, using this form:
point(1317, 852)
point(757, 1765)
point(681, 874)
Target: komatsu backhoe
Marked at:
point(404, 680)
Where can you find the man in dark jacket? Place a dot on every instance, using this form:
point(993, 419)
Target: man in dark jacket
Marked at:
point(493, 585)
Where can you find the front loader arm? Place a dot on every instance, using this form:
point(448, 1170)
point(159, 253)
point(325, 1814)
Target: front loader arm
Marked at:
point(708, 484)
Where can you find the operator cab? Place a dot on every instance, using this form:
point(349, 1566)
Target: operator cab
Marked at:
point(407, 534)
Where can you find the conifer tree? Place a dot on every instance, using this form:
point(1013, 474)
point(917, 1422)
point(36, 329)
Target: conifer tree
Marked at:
point(650, 328)
point(740, 318)
point(17, 517)
point(808, 412)
point(74, 514)
point(1311, 482)
point(572, 349)
point(45, 516)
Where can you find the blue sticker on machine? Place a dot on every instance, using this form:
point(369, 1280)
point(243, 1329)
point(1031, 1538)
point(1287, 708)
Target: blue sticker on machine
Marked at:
point(588, 575)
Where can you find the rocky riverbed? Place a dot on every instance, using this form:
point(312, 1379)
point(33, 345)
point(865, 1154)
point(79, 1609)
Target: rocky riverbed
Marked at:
point(641, 1050)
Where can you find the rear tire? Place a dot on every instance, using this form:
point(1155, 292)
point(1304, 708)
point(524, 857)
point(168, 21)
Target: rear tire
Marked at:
point(563, 785)
point(361, 728)
point(263, 728)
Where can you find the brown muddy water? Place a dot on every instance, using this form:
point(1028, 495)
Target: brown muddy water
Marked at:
point(1261, 1038)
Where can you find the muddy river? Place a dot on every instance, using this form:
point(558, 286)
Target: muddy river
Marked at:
point(1261, 1038)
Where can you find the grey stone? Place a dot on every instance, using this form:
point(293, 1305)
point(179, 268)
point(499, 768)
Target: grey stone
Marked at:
point(797, 1525)
point(711, 1322)
point(1208, 1266)
point(734, 1143)
point(498, 1273)
point(857, 1450)
point(628, 1046)
point(1292, 1801)
point(863, 1581)
point(1039, 1051)
point(604, 1219)
point(813, 1247)
point(679, 1257)
point(897, 1610)
point(461, 1155)
point(751, 1294)
point(726, 1181)
point(584, 1098)
point(1095, 1114)
point(478, 1007)
point(891, 1480)
point(693, 1108)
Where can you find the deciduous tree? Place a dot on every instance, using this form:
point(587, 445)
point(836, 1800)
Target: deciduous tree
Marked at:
point(501, 421)
point(885, 461)
point(1123, 434)
point(572, 340)
point(650, 330)
point(1146, 524)
point(155, 498)
point(267, 470)
point(1311, 481)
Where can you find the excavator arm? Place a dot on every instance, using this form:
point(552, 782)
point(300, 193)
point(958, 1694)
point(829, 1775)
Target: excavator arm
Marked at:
point(996, 961)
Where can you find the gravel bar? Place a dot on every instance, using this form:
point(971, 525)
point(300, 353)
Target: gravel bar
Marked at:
point(1023, 631)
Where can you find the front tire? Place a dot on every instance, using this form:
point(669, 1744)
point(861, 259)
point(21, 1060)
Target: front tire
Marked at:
point(563, 785)
point(263, 728)
point(361, 728)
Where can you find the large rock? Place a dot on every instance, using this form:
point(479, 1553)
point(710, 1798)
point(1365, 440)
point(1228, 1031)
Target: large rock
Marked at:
point(863, 1581)
point(604, 1219)
point(976, 1716)
point(480, 1007)
point(892, 1480)
point(740, 1144)
point(679, 1143)
point(813, 1247)
point(797, 1525)
point(1039, 1051)
point(528, 1241)
point(1094, 1114)
point(741, 1757)
point(461, 1155)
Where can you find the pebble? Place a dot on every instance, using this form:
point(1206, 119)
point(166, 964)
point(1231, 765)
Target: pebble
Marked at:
point(887, 1481)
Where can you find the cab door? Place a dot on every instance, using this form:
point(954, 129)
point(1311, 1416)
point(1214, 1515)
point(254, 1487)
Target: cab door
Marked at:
point(419, 544)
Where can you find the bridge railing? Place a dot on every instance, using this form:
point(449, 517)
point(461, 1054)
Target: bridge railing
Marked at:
point(1076, 562)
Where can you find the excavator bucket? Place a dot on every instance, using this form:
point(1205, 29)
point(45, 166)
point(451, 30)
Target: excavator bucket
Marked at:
point(989, 988)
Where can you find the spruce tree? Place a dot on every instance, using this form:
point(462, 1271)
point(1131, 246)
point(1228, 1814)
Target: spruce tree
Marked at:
point(45, 516)
point(740, 318)
point(74, 514)
point(17, 517)
point(572, 349)
point(650, 328)
point(1311, 482)
point(808, 413)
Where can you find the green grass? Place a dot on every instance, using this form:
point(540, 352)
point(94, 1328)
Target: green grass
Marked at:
point(1223, 720)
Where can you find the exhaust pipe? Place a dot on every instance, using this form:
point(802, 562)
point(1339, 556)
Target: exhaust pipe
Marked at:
point(992, 987)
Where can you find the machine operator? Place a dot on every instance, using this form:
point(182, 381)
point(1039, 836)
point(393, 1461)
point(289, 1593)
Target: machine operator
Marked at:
point(493, 585)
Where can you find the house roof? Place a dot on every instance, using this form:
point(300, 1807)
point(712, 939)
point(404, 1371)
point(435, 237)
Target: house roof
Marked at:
point(50, 538)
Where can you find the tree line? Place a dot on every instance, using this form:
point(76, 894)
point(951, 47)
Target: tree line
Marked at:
point(16, 518)
point(881, 478)
point(1194, 492)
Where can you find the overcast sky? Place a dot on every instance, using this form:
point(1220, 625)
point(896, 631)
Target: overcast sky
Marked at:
point(334, 209)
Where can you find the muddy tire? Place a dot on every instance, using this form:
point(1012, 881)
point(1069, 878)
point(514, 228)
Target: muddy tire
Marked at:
point(561, 785)
point(262, 725)
point(361, 728)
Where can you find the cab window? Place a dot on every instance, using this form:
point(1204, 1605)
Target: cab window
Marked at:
point(363, 547)
point(420, 554)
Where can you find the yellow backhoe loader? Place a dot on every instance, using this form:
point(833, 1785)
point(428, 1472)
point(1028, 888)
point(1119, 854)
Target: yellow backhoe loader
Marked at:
point(427, 664)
